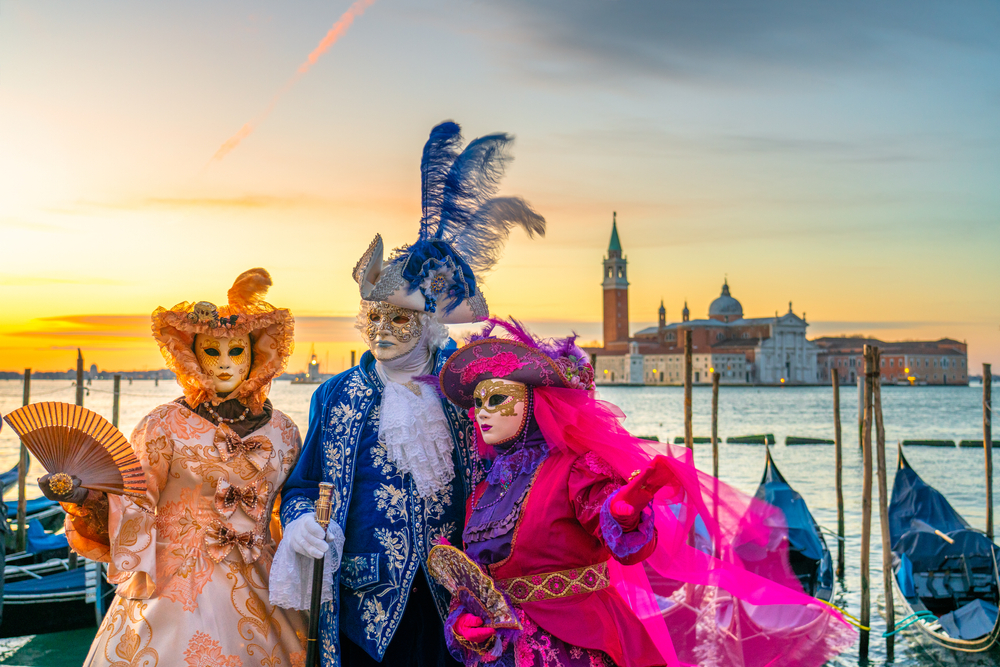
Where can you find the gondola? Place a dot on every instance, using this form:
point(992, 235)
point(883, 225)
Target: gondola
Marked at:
point(945, 571)
point(57, 602)
point(808, 554)
point(810, 560)
point(9, 478)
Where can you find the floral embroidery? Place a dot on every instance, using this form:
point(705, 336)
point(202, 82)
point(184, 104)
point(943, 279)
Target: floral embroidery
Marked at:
point(352, 409)
point(184, 565)
point(203, 651)
point(127, 618)
point(392, 501)
point(159, 559)
point(535, 647)
point(500, 365)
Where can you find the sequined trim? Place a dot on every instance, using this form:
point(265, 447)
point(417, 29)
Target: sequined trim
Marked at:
point(361, 268)
point(480, 310)
point(552, 585)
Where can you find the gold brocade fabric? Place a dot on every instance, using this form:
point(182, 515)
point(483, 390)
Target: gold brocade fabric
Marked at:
point(551, 585)
point(452, 569)
point(192, 577)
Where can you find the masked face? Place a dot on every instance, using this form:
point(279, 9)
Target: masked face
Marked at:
point(225, 360)
point(500, 409)
point(391, 331)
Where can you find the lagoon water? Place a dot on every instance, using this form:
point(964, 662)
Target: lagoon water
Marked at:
point(947, 413)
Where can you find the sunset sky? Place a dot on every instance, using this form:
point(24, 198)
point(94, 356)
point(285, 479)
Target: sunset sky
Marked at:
point(842, 156)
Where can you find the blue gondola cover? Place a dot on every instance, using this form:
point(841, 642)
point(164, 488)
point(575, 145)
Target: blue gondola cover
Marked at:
point(970, 621)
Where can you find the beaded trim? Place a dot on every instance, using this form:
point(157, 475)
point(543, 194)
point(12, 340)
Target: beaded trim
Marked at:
point(553, 585)
point(224, 420)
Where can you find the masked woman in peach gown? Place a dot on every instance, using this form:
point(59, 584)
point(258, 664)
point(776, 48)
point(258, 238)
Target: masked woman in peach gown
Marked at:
point(191, 558)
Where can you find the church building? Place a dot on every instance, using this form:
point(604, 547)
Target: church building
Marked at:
point(756, 350)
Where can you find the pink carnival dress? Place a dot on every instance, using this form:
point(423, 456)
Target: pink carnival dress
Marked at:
point(702, 578)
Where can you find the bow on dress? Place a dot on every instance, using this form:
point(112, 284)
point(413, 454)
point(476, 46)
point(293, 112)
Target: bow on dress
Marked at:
point(221, 539)
point(252, 499)
point(256, 449)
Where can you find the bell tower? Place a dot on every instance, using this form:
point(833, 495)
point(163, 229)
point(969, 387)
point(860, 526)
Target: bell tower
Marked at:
point(662, 321)
point(615, 290)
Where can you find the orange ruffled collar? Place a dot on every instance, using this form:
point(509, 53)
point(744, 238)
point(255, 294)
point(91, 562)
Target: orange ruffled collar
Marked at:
point(271, 331)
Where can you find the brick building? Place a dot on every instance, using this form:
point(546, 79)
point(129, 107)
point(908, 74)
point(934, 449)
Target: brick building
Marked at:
point(943, 361)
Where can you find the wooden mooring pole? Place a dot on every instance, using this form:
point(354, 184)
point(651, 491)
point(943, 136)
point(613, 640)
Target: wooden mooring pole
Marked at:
point(22, 476)
point(79, 401)
point(883, 504)
point(839, 460)
point(118, 396)
point(866, 506)
point(79, 377)
point(988, 444)
point(715, 424)
point(861, 411)
point(688, 431)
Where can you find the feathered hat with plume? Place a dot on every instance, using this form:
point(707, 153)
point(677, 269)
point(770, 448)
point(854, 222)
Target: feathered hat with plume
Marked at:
point(504, 349)
point(462, 231)
point(271, 331)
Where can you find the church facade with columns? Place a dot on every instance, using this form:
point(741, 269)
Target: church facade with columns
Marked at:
point(743, 350)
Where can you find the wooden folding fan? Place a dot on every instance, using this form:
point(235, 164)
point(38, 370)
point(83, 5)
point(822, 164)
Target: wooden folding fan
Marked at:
point(70, 439)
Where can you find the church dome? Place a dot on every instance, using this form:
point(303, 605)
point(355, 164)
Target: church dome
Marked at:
point(725, 308)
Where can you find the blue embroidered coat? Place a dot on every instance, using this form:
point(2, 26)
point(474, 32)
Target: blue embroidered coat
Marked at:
point(389, 529)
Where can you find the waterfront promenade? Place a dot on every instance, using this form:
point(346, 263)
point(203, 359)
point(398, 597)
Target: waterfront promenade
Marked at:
point(952, 413)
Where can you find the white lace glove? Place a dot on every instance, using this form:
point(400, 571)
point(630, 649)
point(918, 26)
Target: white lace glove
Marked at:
point(305, 536)
point(292, 569)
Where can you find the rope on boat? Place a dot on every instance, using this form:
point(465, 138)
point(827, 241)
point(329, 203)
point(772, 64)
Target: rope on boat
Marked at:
point(832, 533)
point(853, 620)
point(923, 615)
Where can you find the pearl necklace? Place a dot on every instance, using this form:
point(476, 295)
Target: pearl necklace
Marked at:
point(224, 420)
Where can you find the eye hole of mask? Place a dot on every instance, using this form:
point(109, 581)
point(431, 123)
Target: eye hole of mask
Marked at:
point(235, 351)
point(211, 351)
point(497, 399)
point(400, 319)
point(479, 402)
point(374, 317)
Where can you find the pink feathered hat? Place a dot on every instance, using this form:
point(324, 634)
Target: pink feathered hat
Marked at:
point(519, 356)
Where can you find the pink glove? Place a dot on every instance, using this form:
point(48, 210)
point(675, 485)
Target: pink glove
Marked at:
point(470, 628)
point(634, 496)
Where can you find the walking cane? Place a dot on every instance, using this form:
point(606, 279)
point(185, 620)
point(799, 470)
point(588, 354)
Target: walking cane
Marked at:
point(323, 519)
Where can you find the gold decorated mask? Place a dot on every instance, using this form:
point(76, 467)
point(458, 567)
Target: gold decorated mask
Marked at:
point(225, 360)
point(387, 319)
point(499, 397)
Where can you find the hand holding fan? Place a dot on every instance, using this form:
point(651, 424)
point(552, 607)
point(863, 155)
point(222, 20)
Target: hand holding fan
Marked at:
point(74, 441)
point(456, 572)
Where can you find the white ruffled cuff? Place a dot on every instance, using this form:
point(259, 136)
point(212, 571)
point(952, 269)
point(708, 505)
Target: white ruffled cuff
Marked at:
point(291, 572)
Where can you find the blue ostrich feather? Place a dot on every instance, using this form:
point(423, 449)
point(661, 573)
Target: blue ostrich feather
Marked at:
point(474, 222)
point(440, 152)
point(461, 218)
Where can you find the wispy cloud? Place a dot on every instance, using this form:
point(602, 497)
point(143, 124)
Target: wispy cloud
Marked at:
point(574, 41)
point(333, 34)
point(847, 326)
point(244, 202)
point(132, 327)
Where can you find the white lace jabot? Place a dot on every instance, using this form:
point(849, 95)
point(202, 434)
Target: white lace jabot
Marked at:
point(412, 424)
